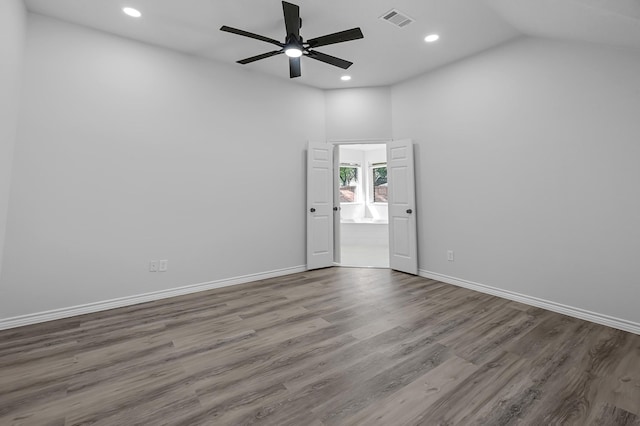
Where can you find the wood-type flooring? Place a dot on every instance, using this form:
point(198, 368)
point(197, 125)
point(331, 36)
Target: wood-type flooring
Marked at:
point(339, 346)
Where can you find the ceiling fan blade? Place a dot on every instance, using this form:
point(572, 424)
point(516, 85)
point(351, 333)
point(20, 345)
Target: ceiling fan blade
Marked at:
point(291, 19)
point(294, 68)
point(339, 37)
point(331, 60)
point(250, 35)
point(258, 57)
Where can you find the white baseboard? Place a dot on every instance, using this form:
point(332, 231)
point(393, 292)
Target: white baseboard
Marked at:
point(583, 314)
point(88, 308)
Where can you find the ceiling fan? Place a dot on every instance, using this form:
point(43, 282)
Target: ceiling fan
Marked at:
point(295, 47)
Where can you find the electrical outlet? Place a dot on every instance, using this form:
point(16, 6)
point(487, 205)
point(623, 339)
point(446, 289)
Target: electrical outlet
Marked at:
point(153, 266)
point(164, 264)
point(450, 255)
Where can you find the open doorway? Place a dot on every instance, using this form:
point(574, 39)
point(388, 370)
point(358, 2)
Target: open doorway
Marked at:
point(323, 206)
point(363, 196)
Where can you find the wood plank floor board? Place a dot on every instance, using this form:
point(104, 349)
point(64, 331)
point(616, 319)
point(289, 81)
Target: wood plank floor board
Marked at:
point(329, 347)
point(34, 354)
point(228, 408)
point(31, 397)
point(143, 392)
point(320, 389)
point(443, 321)
point(548, 332)
point(385, 344)
point(97, 374)
point(386, 382)
point(166, 409)
point(405, 406)
point(612, 416)
point(37, 331)
point(41, 422)
point(276, 369)
point(201, 330)
point(495, 340)
point(548, 371)
point(10, 346)
point(623, 379)
point(36, 375)
point(265, 340)
point(261, 355)
point(481, 387)
point(482, 328)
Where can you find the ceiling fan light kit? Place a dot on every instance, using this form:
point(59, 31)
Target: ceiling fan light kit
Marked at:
point(293, 52)
point(295, 47)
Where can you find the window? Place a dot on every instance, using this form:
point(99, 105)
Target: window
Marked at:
point(379, 180)
point(349, 183)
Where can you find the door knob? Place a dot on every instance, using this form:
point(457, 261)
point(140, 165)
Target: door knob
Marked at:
point(312, 210)
point(409, 211)
point(335, 209)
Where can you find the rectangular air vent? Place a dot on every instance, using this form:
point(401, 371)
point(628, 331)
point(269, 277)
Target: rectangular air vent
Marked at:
point(397, 18)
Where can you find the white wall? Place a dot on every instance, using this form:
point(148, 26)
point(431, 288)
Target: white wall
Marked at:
point(358, 114)
point(12, 33)
point(528, 162)
point(128, 153)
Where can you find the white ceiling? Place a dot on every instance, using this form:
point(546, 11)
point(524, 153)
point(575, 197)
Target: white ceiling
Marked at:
point(386, 55)
point(609, 22)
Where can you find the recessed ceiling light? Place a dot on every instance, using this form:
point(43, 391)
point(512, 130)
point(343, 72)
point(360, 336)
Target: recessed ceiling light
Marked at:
point(431, 38)
point(345, 78)
point(134, 13)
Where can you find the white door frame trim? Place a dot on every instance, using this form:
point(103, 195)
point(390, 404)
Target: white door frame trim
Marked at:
point(358, 141)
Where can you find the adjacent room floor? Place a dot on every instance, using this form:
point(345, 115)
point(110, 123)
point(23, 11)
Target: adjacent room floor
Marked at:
point(365, 256)
point(364, 245)
point(339, 346)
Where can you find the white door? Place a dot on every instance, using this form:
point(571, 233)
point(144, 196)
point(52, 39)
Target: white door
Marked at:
point(319, 205)
point(403, 247)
